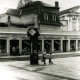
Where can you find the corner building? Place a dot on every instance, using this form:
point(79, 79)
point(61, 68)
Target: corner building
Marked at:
point(15, 23)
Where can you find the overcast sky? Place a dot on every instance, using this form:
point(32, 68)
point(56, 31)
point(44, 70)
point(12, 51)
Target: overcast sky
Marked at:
point(63, 4)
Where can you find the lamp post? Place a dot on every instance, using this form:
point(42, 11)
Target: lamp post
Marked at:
point(33, 35)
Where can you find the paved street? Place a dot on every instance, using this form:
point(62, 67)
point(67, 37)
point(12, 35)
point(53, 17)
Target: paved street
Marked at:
point(63, 69)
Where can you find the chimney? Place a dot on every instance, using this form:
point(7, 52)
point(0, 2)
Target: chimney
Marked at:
point(56, 4)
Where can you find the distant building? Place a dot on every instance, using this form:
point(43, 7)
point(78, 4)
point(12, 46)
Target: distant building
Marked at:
point(70, 20)
point(15, 23)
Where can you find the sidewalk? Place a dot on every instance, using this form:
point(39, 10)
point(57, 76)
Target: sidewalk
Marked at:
point(55, 55)
point(66, 68)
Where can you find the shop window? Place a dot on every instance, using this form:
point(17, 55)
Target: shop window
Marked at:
point(56, 45)
point(72, 45)
point(3, 46)
point(47, 45)
point(26, 47)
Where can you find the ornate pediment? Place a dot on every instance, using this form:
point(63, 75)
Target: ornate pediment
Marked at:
point(75, 10)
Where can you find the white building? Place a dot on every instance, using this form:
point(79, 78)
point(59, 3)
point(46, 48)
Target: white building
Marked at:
point(70, 20)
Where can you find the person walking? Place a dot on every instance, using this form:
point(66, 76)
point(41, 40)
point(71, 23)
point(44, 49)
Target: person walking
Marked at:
point(50, 58)
point(44, 57)
point(13, 51)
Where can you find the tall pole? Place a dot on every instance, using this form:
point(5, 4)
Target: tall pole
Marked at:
point(33, 34)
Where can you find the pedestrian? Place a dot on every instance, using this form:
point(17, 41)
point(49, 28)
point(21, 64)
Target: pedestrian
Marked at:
point(50, 58)
point(44, 57)
point(13, 51)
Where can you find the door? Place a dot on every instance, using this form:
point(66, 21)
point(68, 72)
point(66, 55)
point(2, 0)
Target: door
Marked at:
point(14, 47)
point(64, 45)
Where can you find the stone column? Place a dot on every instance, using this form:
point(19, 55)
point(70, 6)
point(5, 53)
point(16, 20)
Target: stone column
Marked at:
point(8, 47)
point(52, 45)
point(68, 46)
point(42, 44)
point(76, 45)
point(36, 21)
point(62, 45)
point(20, 46)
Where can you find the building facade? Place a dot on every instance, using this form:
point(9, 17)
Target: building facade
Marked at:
point(54, 36)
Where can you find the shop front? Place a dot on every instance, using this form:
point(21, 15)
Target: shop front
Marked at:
point(50, 43)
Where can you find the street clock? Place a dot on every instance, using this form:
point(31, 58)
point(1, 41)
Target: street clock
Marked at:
point(32, 32)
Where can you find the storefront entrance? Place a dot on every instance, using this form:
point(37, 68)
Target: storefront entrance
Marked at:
point(14, 47)
point(65, 45)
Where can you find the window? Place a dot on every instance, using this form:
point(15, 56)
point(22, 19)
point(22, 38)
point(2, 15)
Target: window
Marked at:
point(64, 28)
point(74, 26)
point(74, 17)
point(45, 16)
point(54, 18)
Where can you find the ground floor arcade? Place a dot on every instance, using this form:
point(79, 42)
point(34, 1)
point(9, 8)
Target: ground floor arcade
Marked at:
point(23, 45)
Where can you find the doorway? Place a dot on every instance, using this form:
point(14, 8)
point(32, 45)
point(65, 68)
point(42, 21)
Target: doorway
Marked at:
point(14, 44)
point(65, 45)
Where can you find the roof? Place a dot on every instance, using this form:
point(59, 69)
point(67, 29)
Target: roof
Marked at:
point(40, 3)
point(36, 3)
point(68, 10)
point(13, 12)
point(31, 4)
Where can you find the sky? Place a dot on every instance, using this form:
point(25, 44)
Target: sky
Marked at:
point(63, 4)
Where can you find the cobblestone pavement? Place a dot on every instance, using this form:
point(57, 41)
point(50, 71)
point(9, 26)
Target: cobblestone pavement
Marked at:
point(63, 69)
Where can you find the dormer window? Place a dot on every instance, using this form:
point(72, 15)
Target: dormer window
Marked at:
point(48, 18)
point(63, 17)
point(45, 16)
point(74, 17)
point(54, 18)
